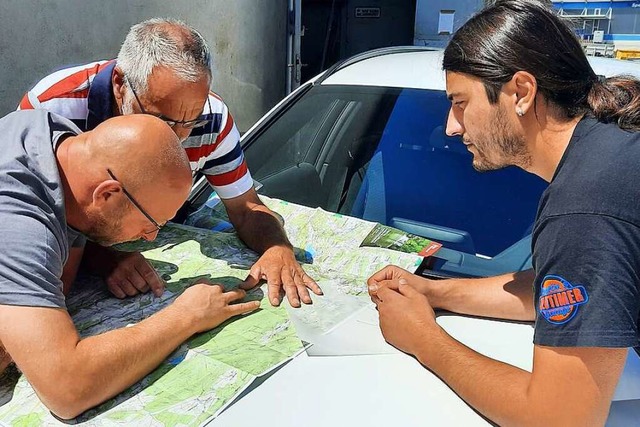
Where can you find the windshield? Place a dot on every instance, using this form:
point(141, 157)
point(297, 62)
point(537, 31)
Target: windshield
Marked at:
point(381, 154)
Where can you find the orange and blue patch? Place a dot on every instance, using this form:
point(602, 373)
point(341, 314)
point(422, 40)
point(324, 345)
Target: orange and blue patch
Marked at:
point(559, 300)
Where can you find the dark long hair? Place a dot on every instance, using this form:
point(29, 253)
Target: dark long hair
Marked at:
point(526, 35)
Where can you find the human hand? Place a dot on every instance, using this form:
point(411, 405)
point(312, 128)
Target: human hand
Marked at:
point(392, 272)
point(209, 305)
point(406, 317)
point(131, 274)
point(279, 267)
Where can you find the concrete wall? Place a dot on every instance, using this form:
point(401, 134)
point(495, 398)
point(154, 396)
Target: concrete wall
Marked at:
point(428, 15)
point(247, 38)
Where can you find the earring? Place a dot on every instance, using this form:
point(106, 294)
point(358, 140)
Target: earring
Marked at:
point(519, 112)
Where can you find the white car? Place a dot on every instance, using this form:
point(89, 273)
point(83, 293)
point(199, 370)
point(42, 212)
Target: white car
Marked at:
point(365, 138)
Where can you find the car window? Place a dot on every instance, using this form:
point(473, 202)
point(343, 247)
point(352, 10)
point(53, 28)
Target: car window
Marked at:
point(381, 154)
point(306, 155)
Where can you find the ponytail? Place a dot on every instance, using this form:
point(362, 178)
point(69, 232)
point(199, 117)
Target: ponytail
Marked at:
point(616, 100)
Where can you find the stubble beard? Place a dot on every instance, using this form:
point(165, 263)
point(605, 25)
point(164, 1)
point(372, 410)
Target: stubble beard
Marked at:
point(103, 231)
point(508, 147)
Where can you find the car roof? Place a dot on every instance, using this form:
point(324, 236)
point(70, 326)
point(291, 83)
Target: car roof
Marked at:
point(421, 68)
point(417, 68)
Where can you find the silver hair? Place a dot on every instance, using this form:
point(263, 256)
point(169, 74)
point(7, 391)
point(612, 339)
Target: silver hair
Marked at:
point(163, 42)
point(127, 103)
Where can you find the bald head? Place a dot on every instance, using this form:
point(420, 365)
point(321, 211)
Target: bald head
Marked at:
point(150, 178)
point(142, 150)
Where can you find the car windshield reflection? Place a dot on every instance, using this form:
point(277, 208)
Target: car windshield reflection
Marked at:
point(381, 154)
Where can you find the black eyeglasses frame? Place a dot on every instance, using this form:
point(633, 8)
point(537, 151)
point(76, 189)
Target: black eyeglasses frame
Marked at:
point(136, 204)
point(187, 124)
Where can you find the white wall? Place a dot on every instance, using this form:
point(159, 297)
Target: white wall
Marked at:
point(247, 39)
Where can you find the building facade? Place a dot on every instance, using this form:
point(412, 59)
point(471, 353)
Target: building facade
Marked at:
point(606, 28)
point(615, 23)
point(437, 20)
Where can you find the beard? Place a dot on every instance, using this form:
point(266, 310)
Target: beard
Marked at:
point(500, 145)
point(103, 231)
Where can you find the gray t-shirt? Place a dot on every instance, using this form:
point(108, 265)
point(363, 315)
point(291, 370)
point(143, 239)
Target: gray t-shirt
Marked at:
point(34, 237)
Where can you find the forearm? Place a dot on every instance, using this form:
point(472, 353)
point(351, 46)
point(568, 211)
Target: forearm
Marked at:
point(261, 230)
point(509, 296)
point(101, 366)
point(495, 389)
point(511, 396)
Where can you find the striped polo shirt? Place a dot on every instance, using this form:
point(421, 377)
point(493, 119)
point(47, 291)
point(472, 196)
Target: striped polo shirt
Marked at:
point(84, 95)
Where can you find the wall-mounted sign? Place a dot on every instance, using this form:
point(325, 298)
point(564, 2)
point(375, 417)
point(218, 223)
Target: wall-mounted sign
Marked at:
point(367, 12)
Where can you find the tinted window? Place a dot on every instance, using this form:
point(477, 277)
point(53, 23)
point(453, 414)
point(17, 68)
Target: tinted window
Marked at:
point(381, 154)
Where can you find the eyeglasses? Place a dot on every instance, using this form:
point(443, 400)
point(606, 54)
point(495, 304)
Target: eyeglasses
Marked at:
point(188, 124)
point(136, 204)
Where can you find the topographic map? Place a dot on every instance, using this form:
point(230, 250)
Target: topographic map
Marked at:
point(207, 372)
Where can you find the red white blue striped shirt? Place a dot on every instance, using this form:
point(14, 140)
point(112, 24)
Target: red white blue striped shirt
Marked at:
point(84, 95)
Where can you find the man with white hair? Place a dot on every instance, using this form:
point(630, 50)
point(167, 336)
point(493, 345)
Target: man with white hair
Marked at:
point(164, 69)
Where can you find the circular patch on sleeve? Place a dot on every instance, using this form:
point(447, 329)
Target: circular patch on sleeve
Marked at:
point(559, 299)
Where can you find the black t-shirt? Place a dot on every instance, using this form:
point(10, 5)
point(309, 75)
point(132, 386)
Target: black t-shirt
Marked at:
point(586, 242)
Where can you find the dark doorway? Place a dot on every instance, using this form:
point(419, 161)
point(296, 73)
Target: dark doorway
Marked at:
point(337, 29)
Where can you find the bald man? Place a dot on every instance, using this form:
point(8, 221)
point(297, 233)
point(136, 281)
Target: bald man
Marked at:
point(59, 187)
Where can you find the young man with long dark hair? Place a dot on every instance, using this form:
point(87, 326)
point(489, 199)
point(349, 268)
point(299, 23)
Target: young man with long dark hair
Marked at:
point(523, 94)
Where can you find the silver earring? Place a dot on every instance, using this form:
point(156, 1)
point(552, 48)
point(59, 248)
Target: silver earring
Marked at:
point(519, 112)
